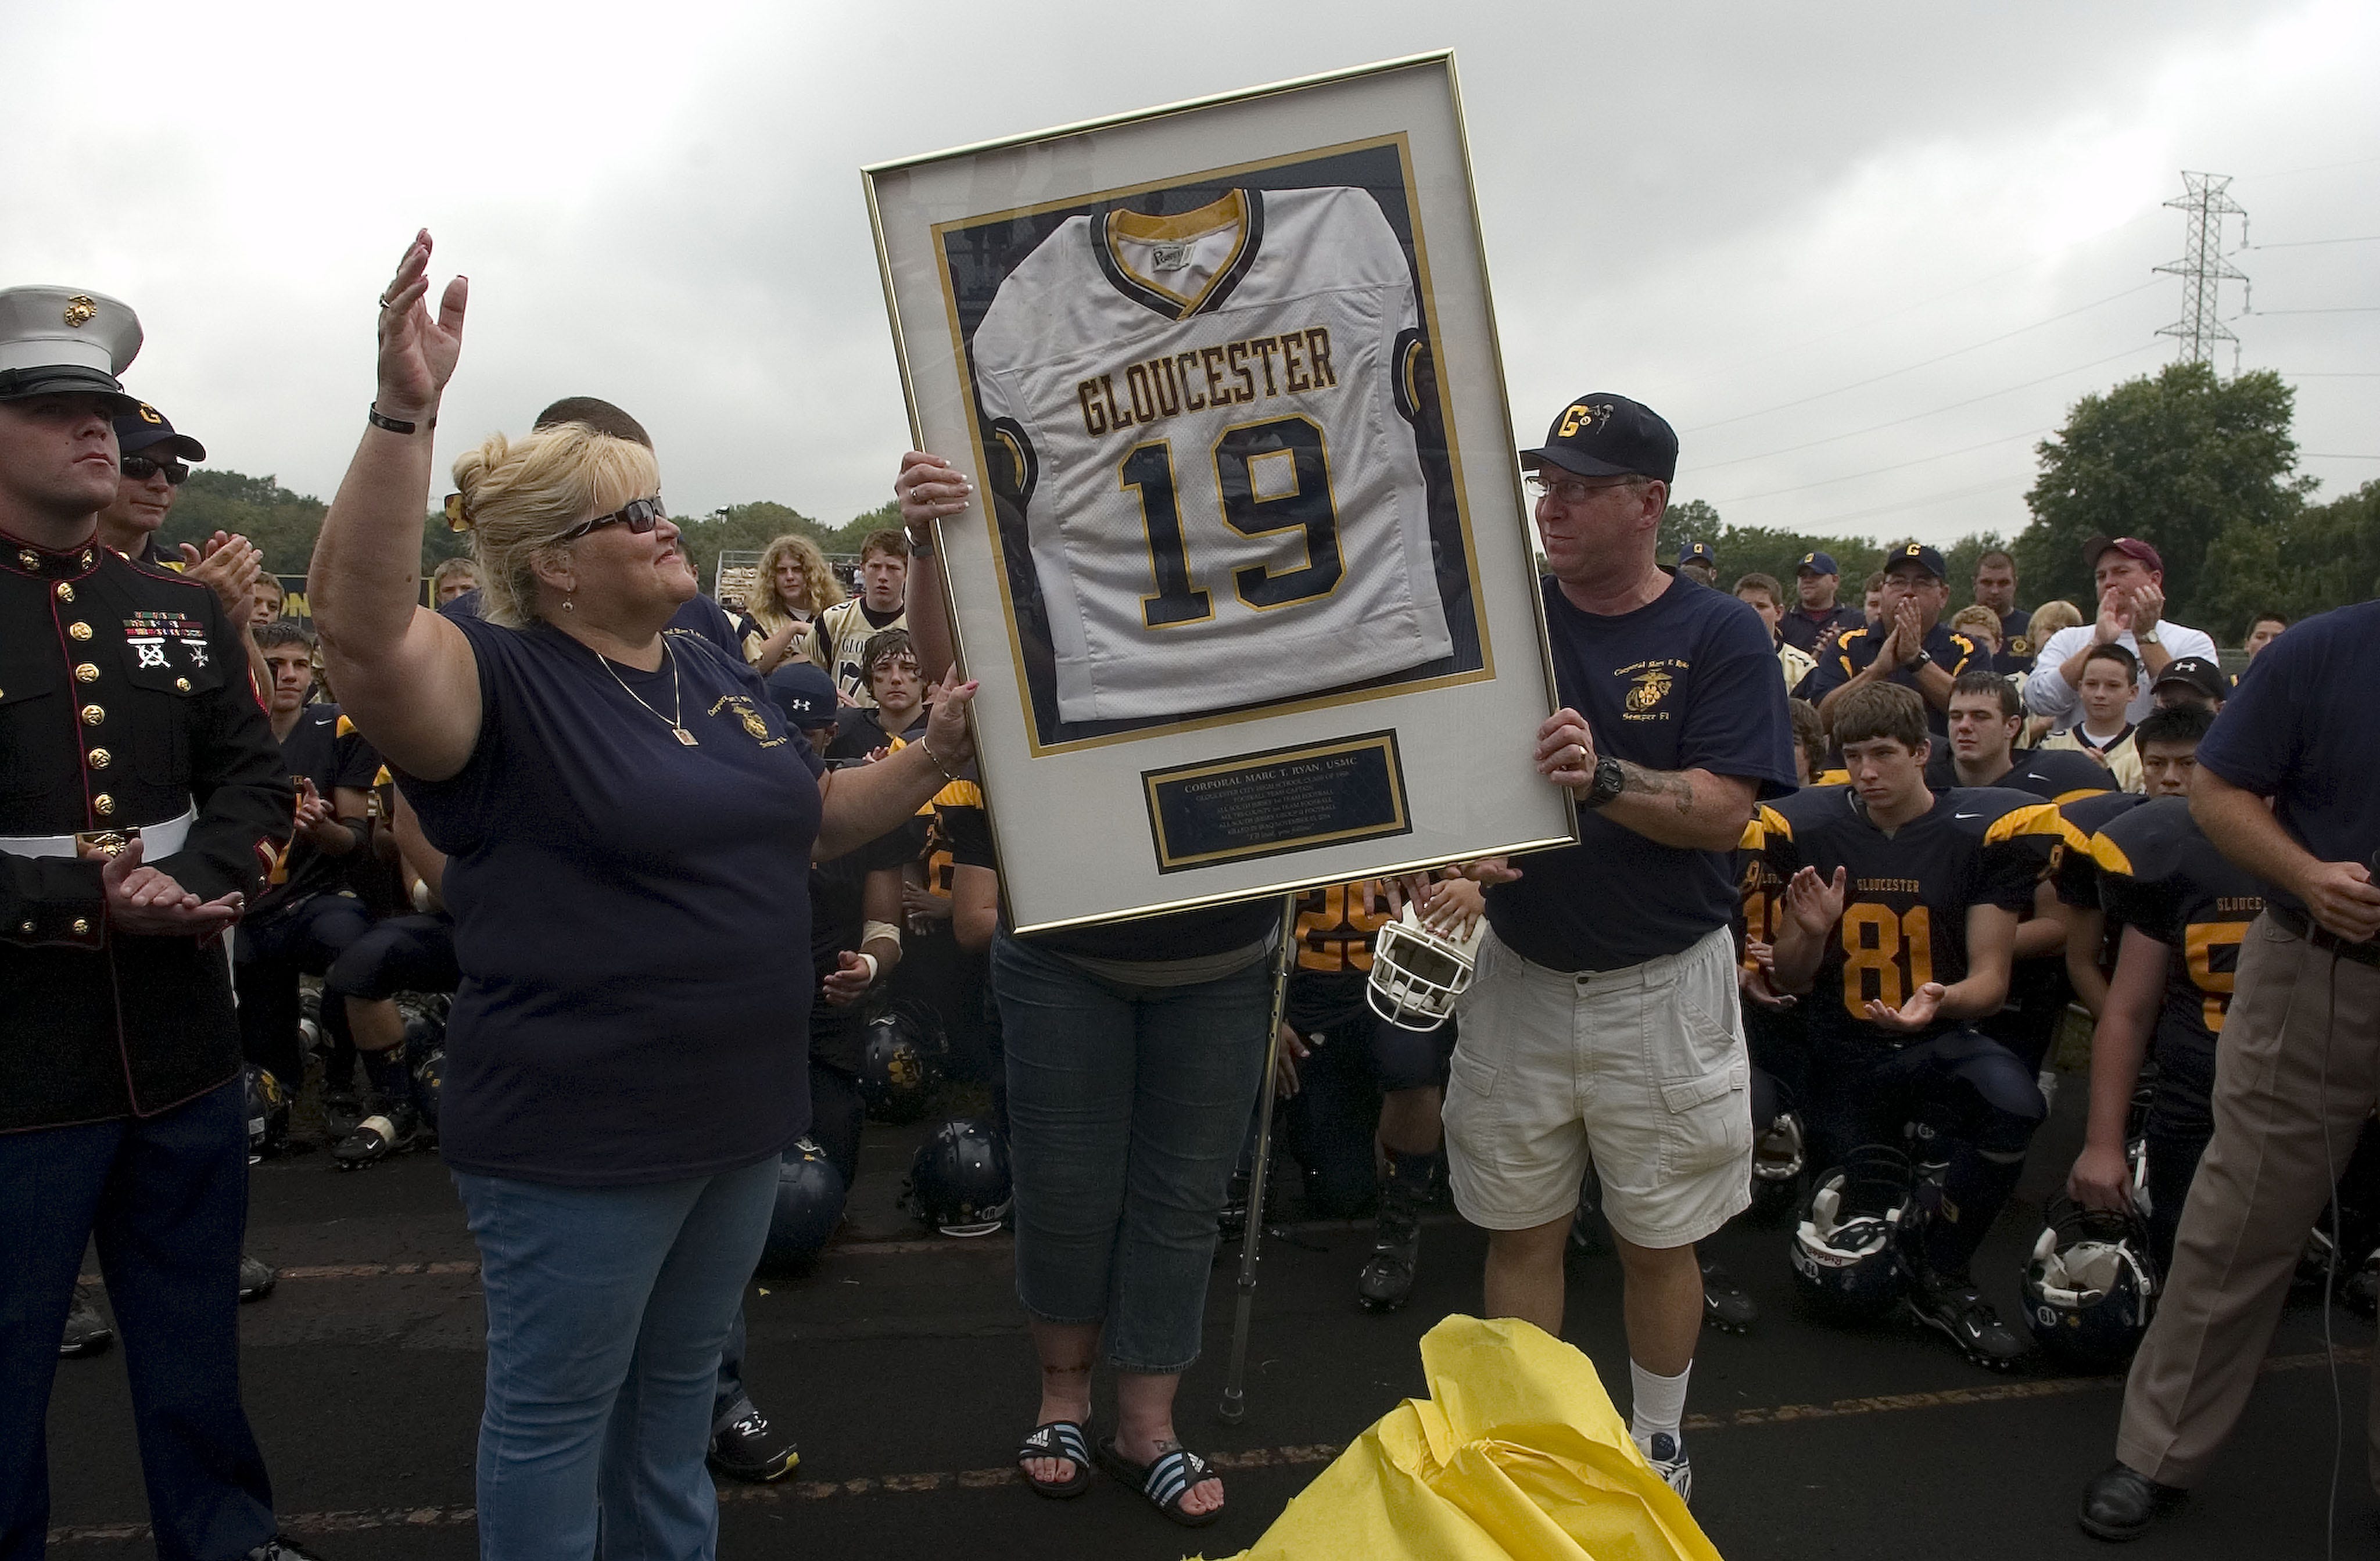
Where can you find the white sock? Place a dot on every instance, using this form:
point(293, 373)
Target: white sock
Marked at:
point(1660, 1404)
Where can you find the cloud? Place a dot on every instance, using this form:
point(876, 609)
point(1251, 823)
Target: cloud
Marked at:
point(1726, 209)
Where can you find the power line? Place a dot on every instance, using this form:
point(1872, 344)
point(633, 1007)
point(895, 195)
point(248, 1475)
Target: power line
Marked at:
point(2338, 374)
point(1914, 417)
point(2320, 455)
point(1925, 363)
point(1878, 471)
point(2305, 243)
point(1918, 502)
point(1894, 314)
point(2359, 308)
point(2312, 168)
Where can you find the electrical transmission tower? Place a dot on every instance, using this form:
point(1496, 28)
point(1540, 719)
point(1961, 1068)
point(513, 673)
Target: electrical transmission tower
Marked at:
point(2206, 200)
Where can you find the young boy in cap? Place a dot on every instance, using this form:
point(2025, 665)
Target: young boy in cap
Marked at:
point(2190, 680)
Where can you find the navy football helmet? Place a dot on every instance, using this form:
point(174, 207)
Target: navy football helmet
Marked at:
point(958, 1182)
point(1847, 1248)
point(267, 1112)
point(810, 1193)
point(900, 1064)
point(2090, 1287)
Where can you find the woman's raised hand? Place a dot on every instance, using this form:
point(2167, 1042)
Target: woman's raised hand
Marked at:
point(947, 738)
point(418, 353)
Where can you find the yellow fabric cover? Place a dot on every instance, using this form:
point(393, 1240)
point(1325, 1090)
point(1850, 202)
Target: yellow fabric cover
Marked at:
point(1516, 1454)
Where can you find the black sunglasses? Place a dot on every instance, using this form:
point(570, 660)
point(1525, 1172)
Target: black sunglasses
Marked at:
point(140, 468)
point(640, 515)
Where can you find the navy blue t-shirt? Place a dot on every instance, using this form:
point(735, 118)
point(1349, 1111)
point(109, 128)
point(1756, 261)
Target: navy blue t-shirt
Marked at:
point(630, 915)
point(2300, 730)
point(698, 617)
point(1687, 681)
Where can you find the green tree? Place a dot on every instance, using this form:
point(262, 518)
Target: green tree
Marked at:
point(885, 516)
point(2176, 459)
point(2321, 557)
point(281, 523)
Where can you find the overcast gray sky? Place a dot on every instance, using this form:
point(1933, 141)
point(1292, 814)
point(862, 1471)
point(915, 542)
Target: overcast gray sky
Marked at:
point(1783, 227)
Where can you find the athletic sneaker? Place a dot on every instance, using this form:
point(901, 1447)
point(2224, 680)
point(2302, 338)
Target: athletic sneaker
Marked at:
point(1957, 1310)
point(1667, 1454)
point(1388, 1278)
point(256, 1278)
point(750, 1449)
point(391, 1131)
point(87, 1332)
point(1725, 1305)
point(342, 1109)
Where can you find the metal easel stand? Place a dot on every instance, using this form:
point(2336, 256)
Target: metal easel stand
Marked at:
point(1234, 1406)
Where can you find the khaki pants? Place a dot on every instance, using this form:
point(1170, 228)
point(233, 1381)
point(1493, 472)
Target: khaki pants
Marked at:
point(2299, 1059)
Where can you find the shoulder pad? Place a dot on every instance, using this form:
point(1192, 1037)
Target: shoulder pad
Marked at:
point(2092, 814)
point(1755, 833)
point(1812, 808)
point(345, 727)
point(2062, 775)
point(2149, 840)
point(1997, 814)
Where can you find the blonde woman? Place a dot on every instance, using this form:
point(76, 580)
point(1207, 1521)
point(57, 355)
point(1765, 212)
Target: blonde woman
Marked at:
point(621, 809)
point(795, 585)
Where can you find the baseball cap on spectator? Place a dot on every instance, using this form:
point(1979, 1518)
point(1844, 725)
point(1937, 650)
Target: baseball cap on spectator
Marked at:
point(2130, 547)
point(1698, 553)
point(804, 693)
point(1818, 563)
point(2195, 671)
point(1918, 553)
point(1605, 435)
point(147, 430)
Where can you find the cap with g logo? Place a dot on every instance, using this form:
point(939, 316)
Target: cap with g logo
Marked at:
point(1698, 553)
point(1818, 563)
point(1601, 434)
point(61, 340)
point(146, 430)
point(1916, 552)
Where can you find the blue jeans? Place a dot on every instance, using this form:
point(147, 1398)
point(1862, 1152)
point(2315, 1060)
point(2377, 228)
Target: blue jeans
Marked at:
point(1126, 1107)
point(166, 1197)
point(607, 1308)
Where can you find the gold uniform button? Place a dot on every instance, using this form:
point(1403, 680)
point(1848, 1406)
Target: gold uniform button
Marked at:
point(87, 557)
point(65, 592)
point(31, 560)
point(100, 758)
point(103, 805)
point(81, 927)
point(78, 631)
point(92, 715)
point(25, 927)
point(86, 673)
point(182, 684)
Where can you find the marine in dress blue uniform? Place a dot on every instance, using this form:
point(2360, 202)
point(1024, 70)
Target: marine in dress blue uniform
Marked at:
point(124, 714)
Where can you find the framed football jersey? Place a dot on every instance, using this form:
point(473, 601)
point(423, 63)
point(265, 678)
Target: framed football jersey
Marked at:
point(1248, 580)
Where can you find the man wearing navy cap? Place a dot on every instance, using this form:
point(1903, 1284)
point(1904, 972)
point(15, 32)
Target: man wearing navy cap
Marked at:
point(2190, 680)
point(1811, 628)
point(145, 798)
point(1618, 1038)
point(1699, 561)
point(153, 470)
point(1910, 647)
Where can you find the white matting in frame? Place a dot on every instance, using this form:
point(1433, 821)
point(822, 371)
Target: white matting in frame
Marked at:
point(1248, 577)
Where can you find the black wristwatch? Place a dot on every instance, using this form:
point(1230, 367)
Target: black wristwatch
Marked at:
point(1923, 659)
point(1610, 781)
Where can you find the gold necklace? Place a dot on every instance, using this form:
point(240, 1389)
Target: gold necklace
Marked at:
point(675, 721)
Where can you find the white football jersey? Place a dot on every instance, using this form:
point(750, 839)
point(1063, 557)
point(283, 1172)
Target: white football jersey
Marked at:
point(1208, 421)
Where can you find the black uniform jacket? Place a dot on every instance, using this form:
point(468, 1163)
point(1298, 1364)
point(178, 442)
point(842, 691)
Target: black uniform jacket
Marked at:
point(123, 701)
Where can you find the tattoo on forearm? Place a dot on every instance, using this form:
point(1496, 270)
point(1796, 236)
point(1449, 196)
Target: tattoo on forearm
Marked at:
point(1655, 782)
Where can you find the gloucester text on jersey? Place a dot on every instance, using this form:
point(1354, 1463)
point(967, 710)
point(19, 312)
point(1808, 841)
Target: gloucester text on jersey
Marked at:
point(1294, 362)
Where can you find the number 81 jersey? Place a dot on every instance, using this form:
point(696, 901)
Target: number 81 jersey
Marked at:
point(1206, 423)
point(1906, 896)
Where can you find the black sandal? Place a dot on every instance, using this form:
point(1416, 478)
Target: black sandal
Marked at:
point(1164, 1482)
point(1057, 1439)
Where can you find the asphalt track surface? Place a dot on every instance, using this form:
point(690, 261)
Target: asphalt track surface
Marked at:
point(903, 1367)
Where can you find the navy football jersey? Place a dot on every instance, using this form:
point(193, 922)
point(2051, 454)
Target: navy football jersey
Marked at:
point(1336, 926)
point(1905, 905)
point(2159, 874)
point(2078, 869)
